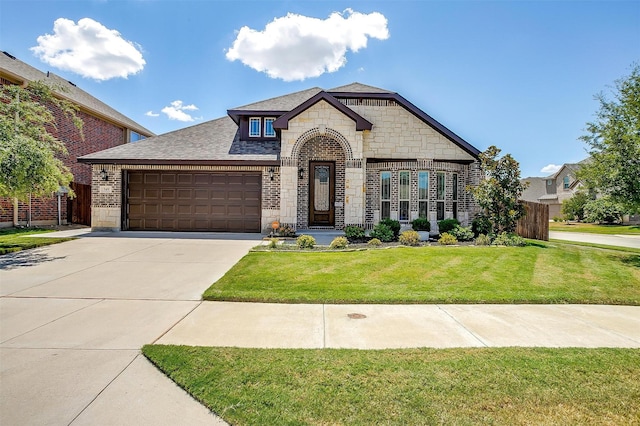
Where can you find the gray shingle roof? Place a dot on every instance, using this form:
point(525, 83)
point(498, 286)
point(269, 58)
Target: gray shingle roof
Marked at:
point(25, 72)
point(281, 103)
point(358, 88)
point(214, 140)
point(536, 188)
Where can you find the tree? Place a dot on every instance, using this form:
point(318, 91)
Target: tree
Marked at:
point(498, 193)
point(603, 210)
point(614, 144)
point(30, 163)
point(573, 208)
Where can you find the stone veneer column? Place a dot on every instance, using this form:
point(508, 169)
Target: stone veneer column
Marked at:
point(289, 195)
point(354, 196)
point(106, 198)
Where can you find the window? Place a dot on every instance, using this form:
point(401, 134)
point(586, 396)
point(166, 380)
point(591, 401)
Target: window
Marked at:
point(455, 195)
point(423, 194)
point(385, 195)
point(269, 131)
point(565, 182)
point(254, 127)
point(404, 195)
point(135, 136)
point(440, 196)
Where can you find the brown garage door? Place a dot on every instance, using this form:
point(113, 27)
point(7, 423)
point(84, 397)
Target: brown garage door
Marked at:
point(188, 201)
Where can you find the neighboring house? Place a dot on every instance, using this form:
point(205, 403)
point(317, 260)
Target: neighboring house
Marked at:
point(554, 189)
point(311, 159)
point(104, 128)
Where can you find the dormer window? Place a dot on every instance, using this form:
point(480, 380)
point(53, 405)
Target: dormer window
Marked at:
point(254, 127)
point(565, 182)
point(269, 131)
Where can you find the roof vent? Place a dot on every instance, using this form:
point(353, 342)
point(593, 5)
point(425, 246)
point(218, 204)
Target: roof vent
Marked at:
point(71, 83)
point(9, 55)
point(47, 73)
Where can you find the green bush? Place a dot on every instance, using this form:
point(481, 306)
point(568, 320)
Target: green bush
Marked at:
point(462, 233)
point(421, 224)
point(447, 225)
point(382, 232)
point(273, 243)
point(481, 225)
point(339, 243)
point(512, 240)
point(603, 210)
point(573, 208)
point(354, 233)
point(394, 225)
point(306, 241)
point(374, 242)
point(483, 240)
point(447, 239)
point(409, 238)
point(557, 219)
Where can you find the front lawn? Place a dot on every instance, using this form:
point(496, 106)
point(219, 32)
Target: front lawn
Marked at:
point(412, 386)
point(16, 239)
point(592, 228)
point(540, 273)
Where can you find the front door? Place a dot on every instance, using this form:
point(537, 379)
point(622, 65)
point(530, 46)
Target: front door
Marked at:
point(321, 193)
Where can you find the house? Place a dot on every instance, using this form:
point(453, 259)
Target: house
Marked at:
point(314, 159)
point(103, 128)
point(554, 189)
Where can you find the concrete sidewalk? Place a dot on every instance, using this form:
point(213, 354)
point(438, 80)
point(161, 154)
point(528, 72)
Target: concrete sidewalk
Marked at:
point(632, 241)
point(266, 325)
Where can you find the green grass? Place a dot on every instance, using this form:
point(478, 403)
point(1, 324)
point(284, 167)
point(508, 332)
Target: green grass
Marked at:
point(601, 246)
point(17, 239)
point(503, 386)
point(592, 228)
point(540, 273)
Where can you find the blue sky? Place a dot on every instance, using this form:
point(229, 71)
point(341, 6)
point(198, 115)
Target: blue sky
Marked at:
point(520, 75)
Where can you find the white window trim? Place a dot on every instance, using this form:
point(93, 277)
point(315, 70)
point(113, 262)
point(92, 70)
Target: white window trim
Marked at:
point(267, 119)
point(259, 127)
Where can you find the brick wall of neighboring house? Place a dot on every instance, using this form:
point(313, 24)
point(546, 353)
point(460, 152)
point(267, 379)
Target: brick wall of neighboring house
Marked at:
point(98, 135)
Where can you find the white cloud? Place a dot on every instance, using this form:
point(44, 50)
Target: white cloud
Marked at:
point(89, 49)
point(550, 168)
point(296, 47)
point(176, 111)
point(151, 114)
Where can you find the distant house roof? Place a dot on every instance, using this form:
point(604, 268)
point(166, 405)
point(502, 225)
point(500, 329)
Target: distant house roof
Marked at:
point(537, 186)
point(15, 69)
point(219, 140)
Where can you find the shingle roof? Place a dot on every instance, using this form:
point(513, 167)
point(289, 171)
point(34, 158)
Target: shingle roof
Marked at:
point(214, 140)
point(25, 72)
point(536, 188)
point(358, 88)
point(281, 103)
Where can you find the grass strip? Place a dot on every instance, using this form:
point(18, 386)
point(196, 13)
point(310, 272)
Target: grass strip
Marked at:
point(17, 239)
point(540, 273)
point(413, 386)
point(592, 228)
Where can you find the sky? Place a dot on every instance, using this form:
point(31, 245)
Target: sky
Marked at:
point(520, 75)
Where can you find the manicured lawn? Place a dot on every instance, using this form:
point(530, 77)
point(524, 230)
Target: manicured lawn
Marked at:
point(540, 273)
point(417, 386)
point(592, 228)
point(16, 239)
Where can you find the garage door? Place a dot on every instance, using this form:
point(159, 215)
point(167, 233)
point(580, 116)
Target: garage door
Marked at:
point(187, 201)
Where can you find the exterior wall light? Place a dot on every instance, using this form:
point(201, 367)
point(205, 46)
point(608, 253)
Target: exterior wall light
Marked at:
point(271, 171)
point(301, 173)
point(104, 175)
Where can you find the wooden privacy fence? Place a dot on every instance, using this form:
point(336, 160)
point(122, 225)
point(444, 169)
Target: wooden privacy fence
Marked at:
point(79, 208)
point(535, 224)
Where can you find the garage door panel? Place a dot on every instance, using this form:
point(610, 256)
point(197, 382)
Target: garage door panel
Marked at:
point(202, 201)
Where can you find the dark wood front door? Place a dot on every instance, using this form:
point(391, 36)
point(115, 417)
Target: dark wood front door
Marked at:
point(322, 188)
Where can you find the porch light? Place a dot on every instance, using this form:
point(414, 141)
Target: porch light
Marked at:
point(271, 171)
point(301, 173)
point(104, 175)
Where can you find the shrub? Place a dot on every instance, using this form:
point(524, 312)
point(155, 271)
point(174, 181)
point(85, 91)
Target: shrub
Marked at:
point(603, 210)
point(394, 225)
point(339, 243)
point(462, 233)
point(421, 224)
point(382, 232)
point(481, 225)
point(512, 240)
point(573, 208)
point(273, 243)
point(483, 240)
point(306, 241)
point(374, 242)
point(354, 233)
point(447, 239)
point(410, 238)
point(286, 231)
point(557, 219)
point(447, 225)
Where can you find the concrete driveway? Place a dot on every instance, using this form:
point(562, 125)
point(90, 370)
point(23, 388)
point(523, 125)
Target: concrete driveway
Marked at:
point(74, 316)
